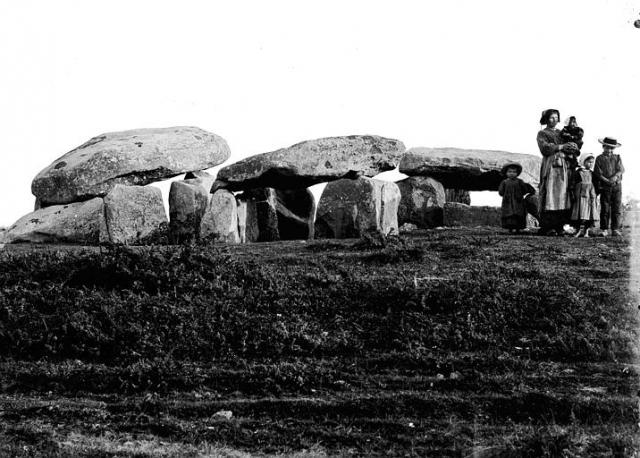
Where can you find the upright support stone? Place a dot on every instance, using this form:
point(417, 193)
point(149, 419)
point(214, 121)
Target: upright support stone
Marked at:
point(461, 196)
point(187, 204)
point(295, 209)
point(135, 214)
point(421, 203)
point(220, 220)
point(201, 177)
point(270, 214)
point(248, 229)
point(390, 201)
point(350, 208)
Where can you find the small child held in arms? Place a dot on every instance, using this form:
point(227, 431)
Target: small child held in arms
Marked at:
point(585, 203)
point(571, 132)
point(513, 191)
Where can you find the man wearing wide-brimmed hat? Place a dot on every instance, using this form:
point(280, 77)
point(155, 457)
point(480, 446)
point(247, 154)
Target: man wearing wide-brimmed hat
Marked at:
point(608, 174)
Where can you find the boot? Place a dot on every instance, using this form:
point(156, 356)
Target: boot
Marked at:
point(580, 232)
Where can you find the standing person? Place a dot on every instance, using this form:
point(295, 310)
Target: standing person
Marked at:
point(608, 173)
point(513, 191)
point(585, 202)
point(555, 174)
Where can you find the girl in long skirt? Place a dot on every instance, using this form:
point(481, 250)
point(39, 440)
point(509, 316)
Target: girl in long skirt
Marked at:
point(585, 203)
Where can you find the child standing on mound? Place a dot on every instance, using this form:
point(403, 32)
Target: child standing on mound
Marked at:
point(513, 191)
point(585, 202)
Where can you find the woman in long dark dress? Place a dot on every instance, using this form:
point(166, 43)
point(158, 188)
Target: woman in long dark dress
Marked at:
point(555, 176)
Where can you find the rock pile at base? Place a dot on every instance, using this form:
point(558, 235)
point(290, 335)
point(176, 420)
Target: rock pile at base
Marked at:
point(352, 208)
point(314, 161)
point(127, 215)
point(78, 222)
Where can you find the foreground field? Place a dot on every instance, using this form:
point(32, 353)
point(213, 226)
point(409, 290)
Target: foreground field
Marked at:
point(444, 343)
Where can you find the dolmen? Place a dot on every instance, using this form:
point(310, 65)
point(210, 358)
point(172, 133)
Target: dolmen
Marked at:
point(96, 193)
point(437, 190)
point(275, 204)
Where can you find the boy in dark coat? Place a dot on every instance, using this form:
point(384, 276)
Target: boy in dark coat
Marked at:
point(513, 191)
point(608, 176)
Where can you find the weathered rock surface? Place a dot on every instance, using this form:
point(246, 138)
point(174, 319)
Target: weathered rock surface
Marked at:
point(220, 220)
point(390, 200)
point(473, 170)
point(135, 214)
point(201, 177)
point(133, 157)
point(269, 214)
point(187, 204)
point(422, 202)
point(457, 214)
point(314, 161)
point(457, 195)
point(80, 222)
point(248, 229)
point(262, 204)
point(351, 208)
point(296, 210)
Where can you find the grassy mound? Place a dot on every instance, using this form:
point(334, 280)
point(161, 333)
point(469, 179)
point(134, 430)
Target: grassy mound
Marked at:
point(444, 343)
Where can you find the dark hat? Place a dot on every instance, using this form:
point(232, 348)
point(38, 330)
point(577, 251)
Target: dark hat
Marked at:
point(544, 119)
point(609, 142)
point(511, 165)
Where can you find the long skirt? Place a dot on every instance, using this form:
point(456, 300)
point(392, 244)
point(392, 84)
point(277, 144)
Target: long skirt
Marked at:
point(514, 222)
point(554, 219)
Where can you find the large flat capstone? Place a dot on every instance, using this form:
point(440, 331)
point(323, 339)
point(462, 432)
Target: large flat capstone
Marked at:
point(132, 157)
point(470, 169)
point(312, 162)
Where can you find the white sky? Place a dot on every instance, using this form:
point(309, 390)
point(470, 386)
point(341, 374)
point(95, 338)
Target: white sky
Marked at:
point(265, 75)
